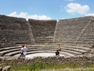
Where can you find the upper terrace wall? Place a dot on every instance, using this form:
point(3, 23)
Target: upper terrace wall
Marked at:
point(18, 30)
point(88, 34)
point(75, 30)
point(43, 30)
point(14, 30)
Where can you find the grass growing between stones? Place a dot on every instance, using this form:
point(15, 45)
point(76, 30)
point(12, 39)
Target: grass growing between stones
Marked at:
point(51, 64)
point(41, 66)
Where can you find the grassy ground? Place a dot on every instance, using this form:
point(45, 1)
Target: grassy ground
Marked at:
point(40, 66)
point(51, 64)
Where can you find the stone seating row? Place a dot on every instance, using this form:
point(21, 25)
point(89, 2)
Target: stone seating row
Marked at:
point(43, 31)
point(66, 51)
point(75, 31)
point(18, 30)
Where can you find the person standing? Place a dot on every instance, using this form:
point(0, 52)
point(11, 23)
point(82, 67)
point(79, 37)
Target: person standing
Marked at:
point(24, 50)
point(21, 51)
point(59, 48)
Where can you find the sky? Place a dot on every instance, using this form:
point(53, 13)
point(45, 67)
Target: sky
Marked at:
point(47, 9)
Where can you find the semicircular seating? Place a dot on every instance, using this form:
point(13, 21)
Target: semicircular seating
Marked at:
point(67, 51)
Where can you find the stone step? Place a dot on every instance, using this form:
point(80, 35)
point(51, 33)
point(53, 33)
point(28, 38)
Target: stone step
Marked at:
point(72, 52)
point(67, 51)
point(77, 49)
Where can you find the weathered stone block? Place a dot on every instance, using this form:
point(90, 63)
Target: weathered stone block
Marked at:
point(0, 68)
point(6, 68)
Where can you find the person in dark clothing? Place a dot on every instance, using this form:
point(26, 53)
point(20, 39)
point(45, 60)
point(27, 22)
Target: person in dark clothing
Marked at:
point(57, 52)
point(21, 50)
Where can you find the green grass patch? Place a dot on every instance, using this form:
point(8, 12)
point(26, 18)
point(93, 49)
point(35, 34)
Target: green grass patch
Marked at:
point(37, 66)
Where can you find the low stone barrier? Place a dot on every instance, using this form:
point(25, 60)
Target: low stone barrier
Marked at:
point(6, 68)
point(0, 68)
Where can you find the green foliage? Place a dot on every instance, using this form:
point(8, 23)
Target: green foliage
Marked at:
point(37, 66)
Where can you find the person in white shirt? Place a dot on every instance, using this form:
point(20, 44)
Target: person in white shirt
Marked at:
point(24, 50)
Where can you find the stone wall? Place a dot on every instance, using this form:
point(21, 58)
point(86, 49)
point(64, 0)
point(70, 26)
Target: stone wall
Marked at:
point(18, 30)
point(76, 30)
point(88, 35)
point(43, 30)
point(73, 61)
point(14, 30)
point(76, 61)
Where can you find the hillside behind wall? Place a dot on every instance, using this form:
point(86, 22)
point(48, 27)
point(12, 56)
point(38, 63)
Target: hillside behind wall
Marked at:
point(14, 30)
point(76, 30)
point(43, 30)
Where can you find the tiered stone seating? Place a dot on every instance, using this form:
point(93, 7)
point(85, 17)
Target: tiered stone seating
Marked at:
point(18, 30)
point(65, 50)
point(69, 30)
point(43, 30)
point(14, 30)
point(88, 35)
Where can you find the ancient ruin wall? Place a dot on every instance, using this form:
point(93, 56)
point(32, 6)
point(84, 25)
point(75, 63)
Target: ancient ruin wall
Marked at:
point(43, 30)
point(76, 30)
point(14, 30)
point(18, 30)
point(88, 34)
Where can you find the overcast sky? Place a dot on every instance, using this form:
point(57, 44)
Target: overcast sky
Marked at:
point(47, 9)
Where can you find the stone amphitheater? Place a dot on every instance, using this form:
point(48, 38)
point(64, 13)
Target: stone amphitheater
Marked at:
point(76, 36)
